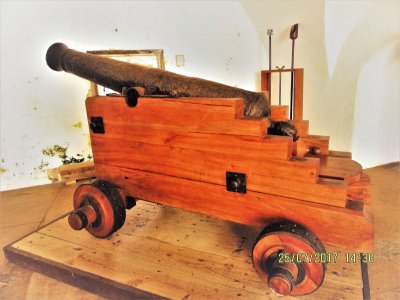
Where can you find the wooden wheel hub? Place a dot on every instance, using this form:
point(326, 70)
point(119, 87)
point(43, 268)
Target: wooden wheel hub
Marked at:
point(99, 208)
point(282, 276)
point(292, 274)
point(82, 217)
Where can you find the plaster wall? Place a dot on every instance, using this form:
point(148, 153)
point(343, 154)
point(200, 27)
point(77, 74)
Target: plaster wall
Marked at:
point(41, 108)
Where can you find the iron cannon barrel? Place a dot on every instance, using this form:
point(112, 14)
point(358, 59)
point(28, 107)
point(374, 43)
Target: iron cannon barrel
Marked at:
point(117, 75)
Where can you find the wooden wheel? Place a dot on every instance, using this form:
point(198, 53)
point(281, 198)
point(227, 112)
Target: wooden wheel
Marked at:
point(300, 272)
point(99, 208)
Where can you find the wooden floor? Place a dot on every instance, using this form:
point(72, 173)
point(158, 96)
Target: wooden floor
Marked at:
point(214, 252)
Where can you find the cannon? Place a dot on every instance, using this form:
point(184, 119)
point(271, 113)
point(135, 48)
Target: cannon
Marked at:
point(208, 148)
point(134, 80)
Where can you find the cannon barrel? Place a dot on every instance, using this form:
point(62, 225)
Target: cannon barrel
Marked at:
point(119, 76)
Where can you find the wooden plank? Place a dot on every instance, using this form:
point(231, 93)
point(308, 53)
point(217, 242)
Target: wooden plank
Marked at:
point(77, 171)
point(343, 154)
point(296, 178)
point(184, 115)
point(302, 127)
point(95, 284)
point(330, 223)
point(340, 168)
point(199, 164)
point(279, 112)
point(265, 85)
point(298, 94)
point(245, 147)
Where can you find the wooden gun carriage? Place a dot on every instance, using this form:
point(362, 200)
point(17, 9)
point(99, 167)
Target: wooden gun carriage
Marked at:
point(206, 156)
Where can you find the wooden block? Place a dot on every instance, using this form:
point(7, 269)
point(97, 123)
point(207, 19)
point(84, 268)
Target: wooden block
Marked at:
point(360, 190)
point(223, 116)
point(340, 154)
point(302, 127)
point(298, 94)
point(319, 141)
point(340, 168)
point(77, 171)
point(296, 178)
point(245, 147)
point(333, 225)
point(279, 112)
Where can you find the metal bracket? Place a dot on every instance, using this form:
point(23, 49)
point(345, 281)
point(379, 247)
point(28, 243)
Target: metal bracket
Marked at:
point(236, 182)
point(97, 125)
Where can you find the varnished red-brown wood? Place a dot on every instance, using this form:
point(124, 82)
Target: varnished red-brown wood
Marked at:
point(76, 222)
point(245, 147)
point(319, 141)
point(295, 178)
point(298, 94)
point(152, 146)
point(360, 190)
point(340, 168)
point(95, 195)
point(282, 241)
point(301, 126)
point(180, 114)
point(333, 225)
point(279, 112)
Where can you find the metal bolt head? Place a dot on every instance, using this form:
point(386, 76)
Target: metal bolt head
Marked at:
point(270, 31)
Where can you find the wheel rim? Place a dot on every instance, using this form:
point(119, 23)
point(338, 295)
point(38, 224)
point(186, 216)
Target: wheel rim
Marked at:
point(108, 204)
point(291, 238)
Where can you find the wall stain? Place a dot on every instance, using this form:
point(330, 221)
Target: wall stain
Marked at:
point(2, 170)
point(43, 165)
point(77, 125)
point(228, 62)
point(61, 152)
point(57, 150)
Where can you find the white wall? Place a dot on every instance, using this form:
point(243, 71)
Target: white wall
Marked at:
point(39, 106)
point(376, 131)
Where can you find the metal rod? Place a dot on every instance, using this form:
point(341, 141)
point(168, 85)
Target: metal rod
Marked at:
point(293, 36)
point(280, 84)
point(269, 87)
point(269, 33)
point(365, 279)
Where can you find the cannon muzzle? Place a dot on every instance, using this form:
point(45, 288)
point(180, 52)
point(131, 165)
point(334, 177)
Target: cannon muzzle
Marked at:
point(121, 76)
point(55, 54)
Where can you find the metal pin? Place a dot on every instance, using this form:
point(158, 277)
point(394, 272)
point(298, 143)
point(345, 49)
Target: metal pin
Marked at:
point(280, 83)
point(269, 33)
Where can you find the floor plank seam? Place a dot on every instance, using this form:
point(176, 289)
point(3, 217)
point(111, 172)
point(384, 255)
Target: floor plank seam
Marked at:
point(48, 208)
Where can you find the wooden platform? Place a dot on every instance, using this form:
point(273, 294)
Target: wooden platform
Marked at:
point(164, 252)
